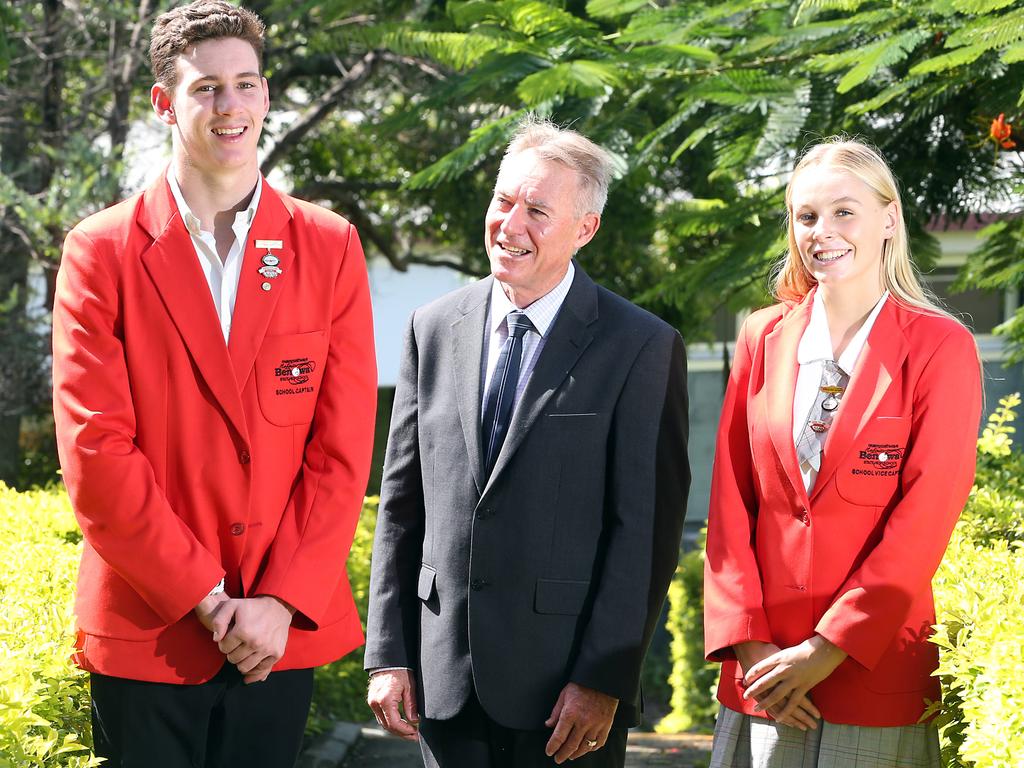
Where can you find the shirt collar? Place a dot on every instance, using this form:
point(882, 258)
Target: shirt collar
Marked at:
point(192, 223)
point(542, 312)
point(816, 343)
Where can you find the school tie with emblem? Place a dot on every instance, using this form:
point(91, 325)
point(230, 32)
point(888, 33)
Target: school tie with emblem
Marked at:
point(819, 418)
point(501, 393)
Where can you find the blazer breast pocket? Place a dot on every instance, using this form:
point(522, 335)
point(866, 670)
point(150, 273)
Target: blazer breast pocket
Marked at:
point(870, 476)
point(289, 370)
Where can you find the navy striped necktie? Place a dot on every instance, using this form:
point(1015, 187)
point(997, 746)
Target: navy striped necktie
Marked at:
point(501, 393)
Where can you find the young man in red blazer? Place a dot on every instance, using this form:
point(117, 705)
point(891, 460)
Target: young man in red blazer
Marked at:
point(214, 396)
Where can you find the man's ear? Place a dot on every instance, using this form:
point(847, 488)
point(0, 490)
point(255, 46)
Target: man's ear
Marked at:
point(266, 97)
point(163, 106)
point(587, 228)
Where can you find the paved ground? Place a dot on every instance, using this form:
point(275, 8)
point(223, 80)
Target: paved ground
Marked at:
point(376, 749)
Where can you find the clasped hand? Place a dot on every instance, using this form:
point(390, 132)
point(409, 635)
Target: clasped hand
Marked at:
point(251, 632)
point(781, 679)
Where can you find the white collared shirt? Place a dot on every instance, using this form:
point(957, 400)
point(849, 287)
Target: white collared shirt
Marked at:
point(222, 277)
point(816, 347)
point(542, 314)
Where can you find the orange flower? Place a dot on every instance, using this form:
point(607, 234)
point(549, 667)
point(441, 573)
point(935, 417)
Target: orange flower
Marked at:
point(1000, 132)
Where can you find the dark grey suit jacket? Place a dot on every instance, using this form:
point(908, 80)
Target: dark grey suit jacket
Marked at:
point(555, 568)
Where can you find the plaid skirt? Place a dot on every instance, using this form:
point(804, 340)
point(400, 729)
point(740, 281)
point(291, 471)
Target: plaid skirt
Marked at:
point(742, 741)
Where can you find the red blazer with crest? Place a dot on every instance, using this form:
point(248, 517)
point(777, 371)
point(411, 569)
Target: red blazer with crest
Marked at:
point(854, 560)
point(188, 460)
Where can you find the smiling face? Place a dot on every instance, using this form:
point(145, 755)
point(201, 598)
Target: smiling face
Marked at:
point(217, 106)
point(532, 228)
point(839, 227)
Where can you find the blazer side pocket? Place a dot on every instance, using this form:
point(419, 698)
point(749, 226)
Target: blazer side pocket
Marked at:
point(560, 597)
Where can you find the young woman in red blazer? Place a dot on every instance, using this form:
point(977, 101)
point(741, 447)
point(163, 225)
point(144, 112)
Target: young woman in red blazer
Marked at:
point(845, 454)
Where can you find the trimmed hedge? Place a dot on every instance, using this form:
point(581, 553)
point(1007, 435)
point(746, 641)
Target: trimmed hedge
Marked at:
point(979, 591)
point(44, 701)
point(979, 594)
point(44, 698)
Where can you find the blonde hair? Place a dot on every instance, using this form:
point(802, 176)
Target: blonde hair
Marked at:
point(792, 281)
point(592, 164)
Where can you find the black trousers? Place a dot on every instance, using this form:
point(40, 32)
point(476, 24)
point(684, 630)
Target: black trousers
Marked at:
point(222, 723)
point(472, 739)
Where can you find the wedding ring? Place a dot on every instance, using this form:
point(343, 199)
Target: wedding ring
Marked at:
point(591, 743)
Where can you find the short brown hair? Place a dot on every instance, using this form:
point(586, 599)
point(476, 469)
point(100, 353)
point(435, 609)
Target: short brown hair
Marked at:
point(186, 25)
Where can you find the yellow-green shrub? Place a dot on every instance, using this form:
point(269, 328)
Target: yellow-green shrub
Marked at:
point(44, 704)
point(979, 591)
point(340, 688)
point(44, 699)
point(692, 679)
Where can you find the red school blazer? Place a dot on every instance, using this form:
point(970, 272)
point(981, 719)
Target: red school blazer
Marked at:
point(188, 460)
point(854, 560)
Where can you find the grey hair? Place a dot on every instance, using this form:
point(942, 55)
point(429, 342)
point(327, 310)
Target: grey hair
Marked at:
point(592, 163)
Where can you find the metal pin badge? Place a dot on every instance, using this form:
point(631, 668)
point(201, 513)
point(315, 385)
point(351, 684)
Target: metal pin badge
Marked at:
point(830, 403)
point(270, 269)
point(818, 426)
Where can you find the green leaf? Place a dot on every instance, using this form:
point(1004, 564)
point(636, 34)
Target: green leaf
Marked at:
point(608, 9)
point(573, 78)
point(883, 53)
point(951, 60)
point(991, 31)
point(1013, 54)
point(482, 141)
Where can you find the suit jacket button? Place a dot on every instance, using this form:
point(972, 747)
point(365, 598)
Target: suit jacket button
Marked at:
point(237, 529)
point(804, 517)
point(244, 457)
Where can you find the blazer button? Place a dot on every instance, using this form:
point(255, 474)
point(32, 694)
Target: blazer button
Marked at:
point(237, 529)
point(804, 517)
point(244, 457)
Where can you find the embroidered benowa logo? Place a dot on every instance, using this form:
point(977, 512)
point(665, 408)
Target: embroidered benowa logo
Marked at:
point(295, 371)
point(880, 460)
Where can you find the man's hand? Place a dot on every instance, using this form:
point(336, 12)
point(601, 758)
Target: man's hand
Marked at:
point(252, 632)
point(580, 715)
point(208, 608)
point(786, 676)
point(388, 690)
point(803, 714)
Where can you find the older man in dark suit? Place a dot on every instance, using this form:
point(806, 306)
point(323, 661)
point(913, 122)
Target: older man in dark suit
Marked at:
point(534, 490)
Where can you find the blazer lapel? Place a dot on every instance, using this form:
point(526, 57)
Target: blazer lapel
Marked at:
point(568, 338)
point(878, 364)
point(174, 268)
point(781, 367)
point(254, 306)
point(467, 348)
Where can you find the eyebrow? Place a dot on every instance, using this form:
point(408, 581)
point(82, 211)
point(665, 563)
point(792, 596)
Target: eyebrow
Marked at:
point(238, 76)
point(535, 203)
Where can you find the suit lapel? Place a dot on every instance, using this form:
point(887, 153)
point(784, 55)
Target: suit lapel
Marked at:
point(781, 368)
point(253, 305)
point(568, 338)
point(878, 364)
point(174, 268)
point(467, 347)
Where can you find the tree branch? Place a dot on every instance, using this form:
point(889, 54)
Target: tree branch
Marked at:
point(318, 111)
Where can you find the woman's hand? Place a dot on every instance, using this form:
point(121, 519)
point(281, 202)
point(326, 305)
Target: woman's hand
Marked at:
point(785, 677)
point(804, 714)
